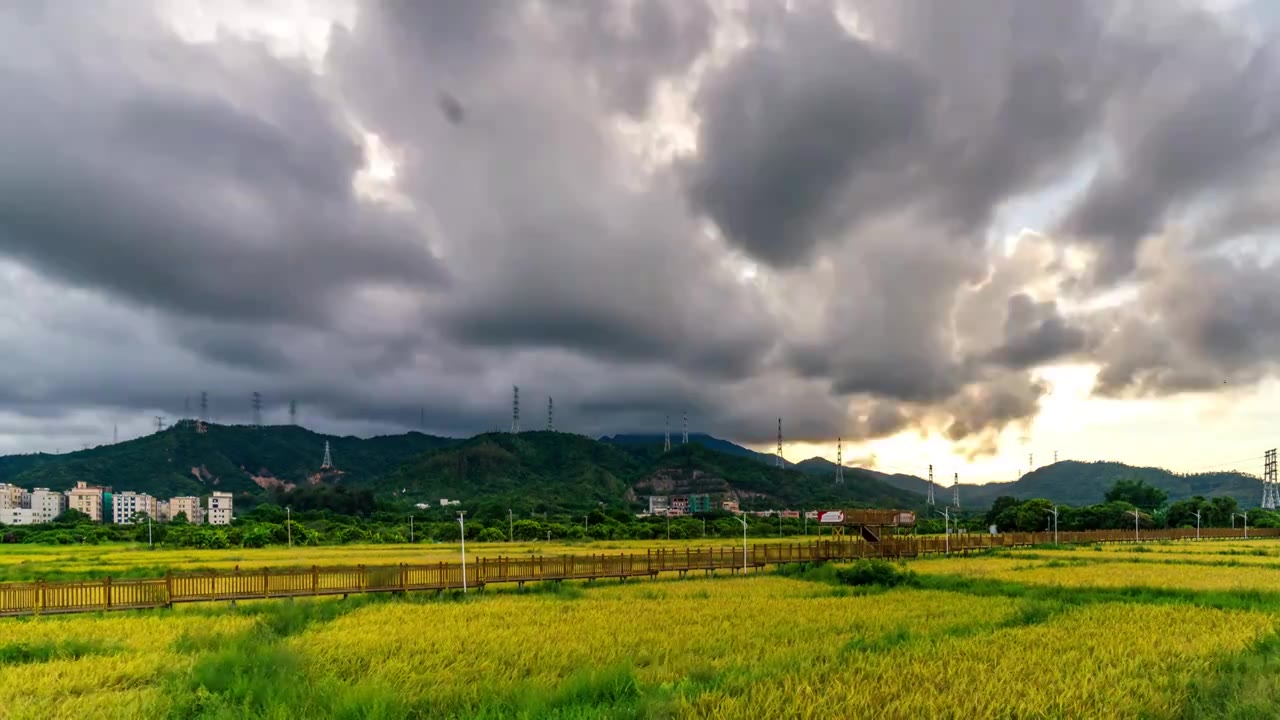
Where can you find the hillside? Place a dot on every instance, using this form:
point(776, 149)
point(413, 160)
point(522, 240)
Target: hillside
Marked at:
point(1079, 483)
point(179, 460)
point(651, 444)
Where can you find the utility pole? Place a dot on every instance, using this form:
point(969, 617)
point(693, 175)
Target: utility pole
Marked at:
point(945, 512)
point(150, 545)
point(1135, 515)
point(511, 526)
point(1244, 515)
point(410, 529)
point(1054, 513)
point(462, 527)
point(743, 520)
point(1197, 514)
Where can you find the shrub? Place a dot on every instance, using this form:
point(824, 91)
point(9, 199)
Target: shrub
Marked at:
point(876, 572)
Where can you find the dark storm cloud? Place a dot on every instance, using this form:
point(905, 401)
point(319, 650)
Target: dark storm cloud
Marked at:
point(211, 181)
point(1202, 323)
point(177, 217)
point(1198, 119)
point(786, 126)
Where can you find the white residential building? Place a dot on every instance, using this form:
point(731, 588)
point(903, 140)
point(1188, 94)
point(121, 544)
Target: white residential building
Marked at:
point(17, 516)
point(162, 511)
point(47, 504)
point(189, 505)
point(10, 496)
point(128, 503)
point(446, 502)
point(219, 509)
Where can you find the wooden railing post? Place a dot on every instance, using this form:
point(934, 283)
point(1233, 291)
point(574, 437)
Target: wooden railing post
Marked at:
point(315, 580)
point(106, 592)
point(266, 583)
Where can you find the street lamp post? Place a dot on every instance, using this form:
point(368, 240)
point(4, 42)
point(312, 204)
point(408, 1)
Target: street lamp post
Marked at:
point(1244, 515)
point(946, 526)
point(462, 526)
point(1054, 514)
point(150, 545)
point(1197, 514)
point(410, 529)
point(743, 520)
point(1135, 515)
point(668, 524)
point(288, 524)
point(511, 526)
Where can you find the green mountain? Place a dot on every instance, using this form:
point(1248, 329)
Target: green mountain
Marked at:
point(232, 458)
point(653, 443)
point(1080, 483)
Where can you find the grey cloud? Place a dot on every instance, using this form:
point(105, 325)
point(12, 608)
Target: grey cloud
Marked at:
point(1198, 117)
point(785, 127)
point(1036, 333)
point(224, 193)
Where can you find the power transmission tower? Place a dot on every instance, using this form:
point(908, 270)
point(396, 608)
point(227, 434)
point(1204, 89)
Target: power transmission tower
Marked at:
point(115, 434)
point(204, 406)
point(515, 409)
point(256, 402)
point(1031, 461)
point(780, 462)
point(1055, 457)
point(839, 461)
point(684, 438)
point(955, 492)
point(327, 463)
point(551, 414)
point(666, 440)
point(159, 423)
point(930, 501)
point(422, 418)
point(1270, 488)
point(186, 407)
point(293, 412)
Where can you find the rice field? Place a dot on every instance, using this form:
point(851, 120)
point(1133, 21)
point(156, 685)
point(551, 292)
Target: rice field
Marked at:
point(1036, 633)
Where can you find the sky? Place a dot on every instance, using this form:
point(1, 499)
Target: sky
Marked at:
point(968, 235)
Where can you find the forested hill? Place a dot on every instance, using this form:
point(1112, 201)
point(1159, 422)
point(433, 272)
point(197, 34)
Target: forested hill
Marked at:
point(181, 461)
point(530, 472)
point(552, 472)
point(1080, 483)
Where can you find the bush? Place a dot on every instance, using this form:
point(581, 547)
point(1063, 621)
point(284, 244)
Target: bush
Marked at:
point(876, 572)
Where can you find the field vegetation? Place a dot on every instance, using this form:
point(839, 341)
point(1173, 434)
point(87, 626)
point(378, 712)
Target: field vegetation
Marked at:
point(1044, 632)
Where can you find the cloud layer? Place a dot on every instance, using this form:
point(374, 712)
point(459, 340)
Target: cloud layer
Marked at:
point(637, 207)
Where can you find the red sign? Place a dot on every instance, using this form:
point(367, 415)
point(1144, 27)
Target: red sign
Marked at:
point(831, 516)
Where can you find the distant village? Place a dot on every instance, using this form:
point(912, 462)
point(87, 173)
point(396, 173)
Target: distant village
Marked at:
point(680, 505)
point(19, 506)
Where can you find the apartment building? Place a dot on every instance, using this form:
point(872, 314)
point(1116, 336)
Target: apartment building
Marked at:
point(700, 503)
point(729, 506)
point(162, 511)
point(86, 499)
point(126, 505)
point(17, 516)
point(658, 504)
point(219, 509)
point(10, 496)
point(679, 505)
point(190, 505)
point(47, 505)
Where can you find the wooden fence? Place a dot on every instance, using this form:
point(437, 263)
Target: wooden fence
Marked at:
point(115, 594)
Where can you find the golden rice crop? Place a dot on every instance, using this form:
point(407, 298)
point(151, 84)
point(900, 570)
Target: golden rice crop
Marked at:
point(1106, 660)
point(124, 659)
point(462, 655)
point(1085, 574)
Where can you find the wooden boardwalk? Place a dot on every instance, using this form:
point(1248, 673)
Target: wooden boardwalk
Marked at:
point(42, 598)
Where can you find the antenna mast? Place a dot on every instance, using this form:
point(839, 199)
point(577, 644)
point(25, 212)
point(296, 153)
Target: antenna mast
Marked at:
point(839, 461)
point(779, 462)
point(1270, 485)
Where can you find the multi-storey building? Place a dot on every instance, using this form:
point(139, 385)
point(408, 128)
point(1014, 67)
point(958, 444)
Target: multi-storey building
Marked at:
point(126, 505)
point(47, 505)
point(17, 516)
point(729, 506)
point(162, 511)
point(10, 496)
point(679, 505)
point(86, 499)
point(219, 509)
point(658, 504)
point(188, 505)
point(700, 503)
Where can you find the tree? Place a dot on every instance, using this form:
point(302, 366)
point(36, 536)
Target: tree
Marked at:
point(1002, 503)
point(71, 516)
point(1138, 493)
